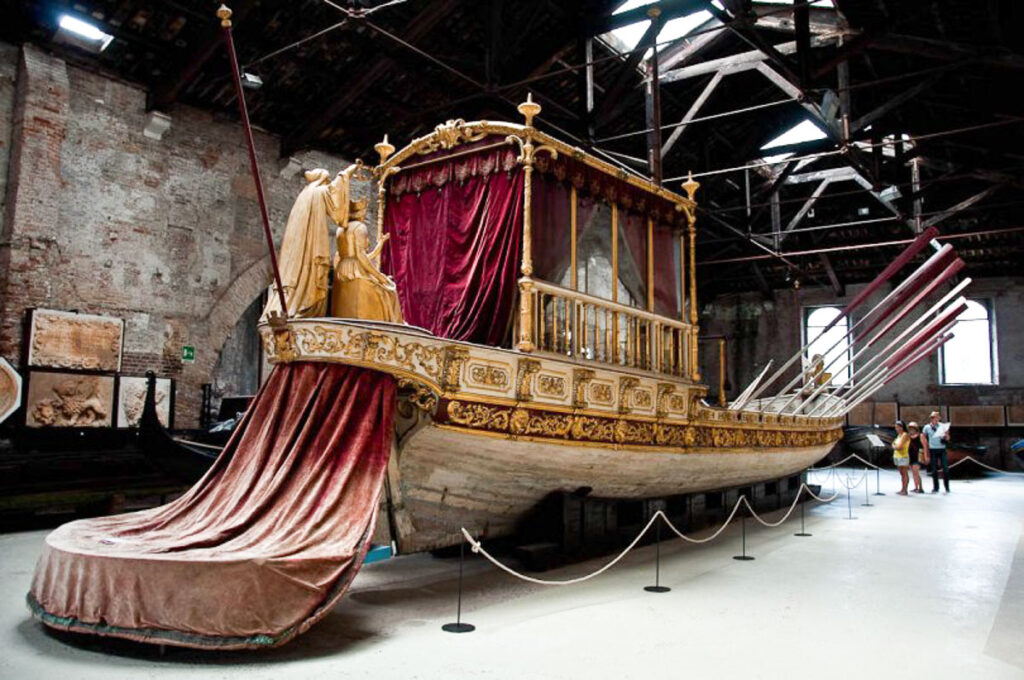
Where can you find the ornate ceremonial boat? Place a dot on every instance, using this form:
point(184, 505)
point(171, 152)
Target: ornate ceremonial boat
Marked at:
point(476, 360)
point(578, 390)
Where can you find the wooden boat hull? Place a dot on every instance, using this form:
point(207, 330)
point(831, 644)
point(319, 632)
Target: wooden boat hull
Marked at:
point(483, 434)
point(443, 479)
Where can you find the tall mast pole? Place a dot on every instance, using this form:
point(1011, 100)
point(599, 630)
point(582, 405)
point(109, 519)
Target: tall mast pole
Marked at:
point(224, 14)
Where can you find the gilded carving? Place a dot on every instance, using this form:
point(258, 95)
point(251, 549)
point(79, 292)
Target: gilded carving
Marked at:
point(601, 393)
point(491, 376)
point(642, 399)
point(626, 386)
point(479, 416)
point(524, 378)
point(450, 134)
point(76, 341)
point(539, 423)
point(593, 429)
point(421, 396)
point(551, 385)
point(454, 358)
point(581, 377)
point(665, 392)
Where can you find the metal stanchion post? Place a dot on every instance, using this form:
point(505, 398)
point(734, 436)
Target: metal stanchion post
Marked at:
point(803, 530)
point(744, 557)
point(849, 503)
point(867, 501)
point(878, 485)
point(459, 626)
point(657, 587)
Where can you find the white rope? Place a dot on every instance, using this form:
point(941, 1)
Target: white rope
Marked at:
point(984, 465)
point(706, 539)
point(835, 465)
point(753, 513)
point(477, 547)
point(849, 487)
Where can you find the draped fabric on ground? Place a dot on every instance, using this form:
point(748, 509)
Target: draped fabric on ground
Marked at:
point(260, 548)
point(456, 238)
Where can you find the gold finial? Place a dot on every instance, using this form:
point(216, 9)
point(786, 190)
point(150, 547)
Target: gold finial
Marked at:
point(529, 109)
point(690, 186)
point(384, 149)
point(224, 14)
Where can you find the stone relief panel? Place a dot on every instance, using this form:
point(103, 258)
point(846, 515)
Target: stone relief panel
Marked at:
point(131, 398)
point(69, 400)
point(75, 341)
point(10, 390)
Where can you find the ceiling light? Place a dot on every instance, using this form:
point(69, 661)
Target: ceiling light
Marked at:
point(251, 81)
point(81, 34)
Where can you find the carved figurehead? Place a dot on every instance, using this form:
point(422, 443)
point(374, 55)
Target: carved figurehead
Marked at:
point(361, 291)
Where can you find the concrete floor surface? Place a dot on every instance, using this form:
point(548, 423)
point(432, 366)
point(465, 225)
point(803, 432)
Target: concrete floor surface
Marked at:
point(925, 586)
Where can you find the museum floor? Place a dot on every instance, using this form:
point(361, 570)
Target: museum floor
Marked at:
point(917, 587)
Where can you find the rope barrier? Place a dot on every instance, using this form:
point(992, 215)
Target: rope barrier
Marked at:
point(477, 547)
point(849, 487)
point(851, 456)
point(753, 513)
point(984, 465)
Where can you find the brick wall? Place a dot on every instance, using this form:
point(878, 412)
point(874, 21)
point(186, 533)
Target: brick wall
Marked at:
point(99, 218)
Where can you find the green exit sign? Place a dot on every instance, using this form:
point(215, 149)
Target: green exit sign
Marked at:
point(188, 354)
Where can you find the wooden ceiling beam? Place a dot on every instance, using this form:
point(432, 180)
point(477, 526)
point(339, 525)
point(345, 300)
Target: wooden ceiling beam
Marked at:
point(418, 27)
point(212, 41)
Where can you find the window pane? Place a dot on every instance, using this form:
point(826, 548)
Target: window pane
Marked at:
point(837, 357)
point(967, 358)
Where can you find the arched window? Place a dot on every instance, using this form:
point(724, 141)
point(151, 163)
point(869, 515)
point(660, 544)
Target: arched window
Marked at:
point(831, 344)
point(969, 359)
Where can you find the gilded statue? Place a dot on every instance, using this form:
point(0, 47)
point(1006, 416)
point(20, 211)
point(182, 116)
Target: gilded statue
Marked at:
point(815, 375)
point(304, 258)
point(361, 291)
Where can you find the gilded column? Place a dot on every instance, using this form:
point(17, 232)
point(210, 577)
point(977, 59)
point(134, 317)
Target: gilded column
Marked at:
point(694, 319)
point(528, 109)
point(384, 149)
point(573, 218)
point(691, 187)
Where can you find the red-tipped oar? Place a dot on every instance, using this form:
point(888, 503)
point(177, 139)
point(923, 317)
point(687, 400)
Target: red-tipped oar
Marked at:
point(948, 317)
point(916, 246)
point(898, 371)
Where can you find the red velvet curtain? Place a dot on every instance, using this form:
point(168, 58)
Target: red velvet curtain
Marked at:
point(551, 228)
point(456, 239)
point(260, 548)
point(633, 235)
point(666, 271)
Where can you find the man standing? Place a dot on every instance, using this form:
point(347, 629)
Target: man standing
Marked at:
point(937, 434)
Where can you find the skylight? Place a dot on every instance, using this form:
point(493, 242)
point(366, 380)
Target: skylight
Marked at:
point(85, 35)
point(804, 131)
point(626, 38)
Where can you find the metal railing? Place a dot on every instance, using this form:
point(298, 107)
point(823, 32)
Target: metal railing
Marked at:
point(574, 324)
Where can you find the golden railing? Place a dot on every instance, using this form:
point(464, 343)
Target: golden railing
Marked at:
point(573, 324)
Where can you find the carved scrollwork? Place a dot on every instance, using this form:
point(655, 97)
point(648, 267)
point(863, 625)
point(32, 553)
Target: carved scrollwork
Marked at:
point(524, 422)
point(480, 416)
point(662, 405)
point(491, 376)
point(627, 385)
point(551, 385)
point(454, 358)
point(422, 397)
point(581, 377)
point(524, 378)
point(450, 134)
